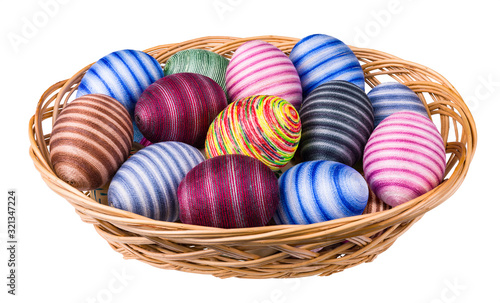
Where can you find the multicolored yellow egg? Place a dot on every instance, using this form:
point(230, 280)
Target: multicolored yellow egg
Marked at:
point(90, 139)
point(267, 128)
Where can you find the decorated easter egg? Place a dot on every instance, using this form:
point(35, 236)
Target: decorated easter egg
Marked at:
point(391, 97)
point(179, 107)
point(374, 204)
point(146, 184)
point(264, 127)
point(320, 58)
point(337, 120)
point(100, 194)
point(199, 61)
point(90, 139)
point(229, 191)
point(145, 142)
point(260, 68)
point(317, 191)
point(123, 75)
point(404, 158)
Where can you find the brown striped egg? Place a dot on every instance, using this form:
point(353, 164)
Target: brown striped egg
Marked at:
point(100, 195)
point(90, 139)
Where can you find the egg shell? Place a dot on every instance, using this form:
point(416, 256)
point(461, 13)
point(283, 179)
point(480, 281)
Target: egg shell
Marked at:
point(123, 75)
point(392, 97)
point(100, 195)
point(337, 120)
point(199, 61)
point(404, 158)
point(146, 184)
point(321, 58)
point(260, 68)
point(229, 191)
point(264, 127)
point(179, 107)
point(90, 139)
point(318, 191)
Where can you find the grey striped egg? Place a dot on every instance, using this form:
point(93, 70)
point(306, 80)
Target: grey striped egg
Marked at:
point(337, 120)
point(146, 184)
point(90, 139)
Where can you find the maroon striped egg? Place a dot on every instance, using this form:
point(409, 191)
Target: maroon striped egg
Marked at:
point(260, 68)
point(404, 158)
point(90, 139)
point(228, 191)
point(179, 107)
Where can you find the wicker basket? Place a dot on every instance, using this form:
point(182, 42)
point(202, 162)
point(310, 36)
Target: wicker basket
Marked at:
point(277, 251)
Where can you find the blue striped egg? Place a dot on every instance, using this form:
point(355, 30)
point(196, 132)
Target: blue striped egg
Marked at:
point(320, 58)
point(123, 75)
point(146, 184)
point(317, 191)
point(337, 120)
point(391, 97)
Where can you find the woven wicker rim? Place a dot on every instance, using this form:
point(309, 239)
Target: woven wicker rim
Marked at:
point(278, 250)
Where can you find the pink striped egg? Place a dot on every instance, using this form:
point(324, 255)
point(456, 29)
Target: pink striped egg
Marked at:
point(90, 139)
point(229, 191)
point(404, 158)
point(179, 107)
point(260, 68)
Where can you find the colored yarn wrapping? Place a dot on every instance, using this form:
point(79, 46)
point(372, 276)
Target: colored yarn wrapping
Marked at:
point(146, 184)
point(90, 139)
point(100, 195)
point(374, 204)
point(179, 107)
point(260, 68)
point(391, 97)
point(404, 158)
point(123, 75)
point(320, 58)
point(199, 61)
point(264, 127)
point(337, 120)
point(229, 191)
point(317, 191)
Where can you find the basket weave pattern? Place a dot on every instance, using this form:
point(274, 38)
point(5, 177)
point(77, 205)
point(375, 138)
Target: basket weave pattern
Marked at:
point(277, 251)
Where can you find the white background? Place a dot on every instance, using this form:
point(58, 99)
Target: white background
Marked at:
point(451, 255)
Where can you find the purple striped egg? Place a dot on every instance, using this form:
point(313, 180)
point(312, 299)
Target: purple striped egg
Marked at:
point(179, 107)
point(229, 191)
point(90, 139)
point(260, 68)
point(404, 158)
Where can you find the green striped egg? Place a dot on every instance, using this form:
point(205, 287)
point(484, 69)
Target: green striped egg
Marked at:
point(199, 61)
